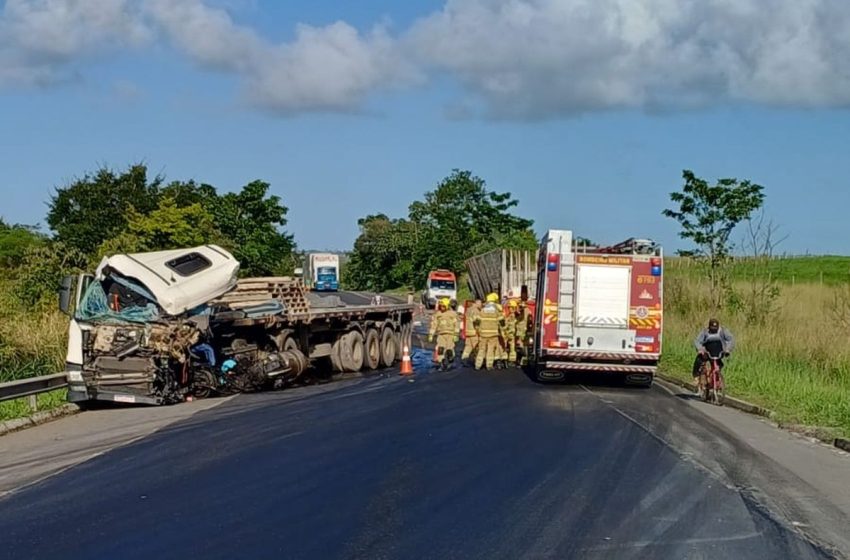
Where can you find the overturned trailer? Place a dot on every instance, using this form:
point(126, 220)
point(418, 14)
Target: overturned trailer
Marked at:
point(159, 327)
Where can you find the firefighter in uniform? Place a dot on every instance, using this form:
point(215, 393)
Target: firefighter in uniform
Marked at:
point(444, 324)
point(501, 352)
point(522, 323)
point(510, 334)
point(470, 317)
point(489, 328)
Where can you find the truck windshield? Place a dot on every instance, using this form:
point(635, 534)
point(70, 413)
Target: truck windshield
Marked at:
point(326, 273)
point(442, 284)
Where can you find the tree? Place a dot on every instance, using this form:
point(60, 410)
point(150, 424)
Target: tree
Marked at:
point(253, 223)
point(461, 217)
point(95, 207)
point(458, 219)
point(15, 240)
point(758, 298)
point(94, 214)
point(708, 214)
point(41, 271)
point(169, 226)
point(383, 254)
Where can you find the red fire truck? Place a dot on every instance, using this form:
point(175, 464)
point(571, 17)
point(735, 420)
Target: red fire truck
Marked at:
point(599, 308)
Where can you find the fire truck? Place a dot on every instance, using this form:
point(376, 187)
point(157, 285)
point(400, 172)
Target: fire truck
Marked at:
point(599, 308)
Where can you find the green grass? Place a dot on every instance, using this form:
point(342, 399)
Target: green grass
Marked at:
point(18, 408)
point(797, 363)
point(829, 270)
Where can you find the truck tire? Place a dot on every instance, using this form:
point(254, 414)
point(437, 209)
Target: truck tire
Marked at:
point(336, 353)
point(351, 352)
point(372, 355)
point(388, 347)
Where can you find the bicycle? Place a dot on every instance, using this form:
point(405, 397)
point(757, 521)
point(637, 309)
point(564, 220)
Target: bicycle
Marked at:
point(712, 381)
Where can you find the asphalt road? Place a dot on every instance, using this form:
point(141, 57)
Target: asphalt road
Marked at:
point(452, 465)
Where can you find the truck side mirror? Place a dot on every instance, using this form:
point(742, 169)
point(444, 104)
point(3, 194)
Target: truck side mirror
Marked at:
point(298, 272)
point(65, 295)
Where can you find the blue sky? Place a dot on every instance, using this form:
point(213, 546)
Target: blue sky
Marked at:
point(586, 112)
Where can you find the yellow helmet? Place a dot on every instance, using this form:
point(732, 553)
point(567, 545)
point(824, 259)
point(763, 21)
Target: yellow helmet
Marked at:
point(513, 304)
point(492, 298)
point(445, 302)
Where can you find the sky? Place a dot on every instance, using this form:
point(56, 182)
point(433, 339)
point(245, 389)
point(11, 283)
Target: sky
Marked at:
point(587, 111)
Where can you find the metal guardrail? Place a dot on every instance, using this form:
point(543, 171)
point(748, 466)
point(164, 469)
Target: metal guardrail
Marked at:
point(32, 386)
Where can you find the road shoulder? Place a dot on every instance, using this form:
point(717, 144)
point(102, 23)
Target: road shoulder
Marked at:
point(31, 455)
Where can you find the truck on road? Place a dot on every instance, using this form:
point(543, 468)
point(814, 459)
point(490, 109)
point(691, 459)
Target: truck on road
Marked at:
point(440, 284)
point(598, 309)
point(161, 327)
point(323, 272)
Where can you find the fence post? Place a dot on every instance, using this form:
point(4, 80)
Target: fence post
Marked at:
point(33, 402)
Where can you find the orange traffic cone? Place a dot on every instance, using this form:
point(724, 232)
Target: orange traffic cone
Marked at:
point(406, 365)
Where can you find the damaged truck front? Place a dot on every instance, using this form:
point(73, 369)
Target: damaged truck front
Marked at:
point(156, 328)
point(136, 321)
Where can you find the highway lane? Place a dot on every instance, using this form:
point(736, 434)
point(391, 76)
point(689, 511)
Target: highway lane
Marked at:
point(457, 465)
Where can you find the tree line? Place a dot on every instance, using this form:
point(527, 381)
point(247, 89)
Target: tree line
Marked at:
point(108, 212)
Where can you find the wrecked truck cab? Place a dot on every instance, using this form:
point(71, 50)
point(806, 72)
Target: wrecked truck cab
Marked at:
point(177, 280)
point(137, 319)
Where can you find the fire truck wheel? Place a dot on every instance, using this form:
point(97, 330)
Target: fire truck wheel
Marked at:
point(372, 357)
point(388, 347)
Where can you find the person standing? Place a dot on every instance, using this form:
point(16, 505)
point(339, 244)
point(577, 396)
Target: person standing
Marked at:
point(444, 324)
point(471, 315)
point(509, 355)
point(522, 325)
point(489, 328)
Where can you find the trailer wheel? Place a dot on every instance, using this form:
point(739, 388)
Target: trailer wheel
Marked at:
point(352, 351)
point(372, 356)
point(388, 347)
point(336, 353)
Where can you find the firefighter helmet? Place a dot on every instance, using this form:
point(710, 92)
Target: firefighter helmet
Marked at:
point(492, 298)
point(445, 302)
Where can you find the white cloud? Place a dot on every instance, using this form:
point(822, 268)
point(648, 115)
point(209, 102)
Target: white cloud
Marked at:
point(543, 58)
point(324, 68)
point(40, 40)
point(522, 59)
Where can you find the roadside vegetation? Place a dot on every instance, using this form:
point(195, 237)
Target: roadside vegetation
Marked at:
point(790, 316)
point(796, 363)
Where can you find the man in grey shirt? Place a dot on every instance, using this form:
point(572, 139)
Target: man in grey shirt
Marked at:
point(714, 341)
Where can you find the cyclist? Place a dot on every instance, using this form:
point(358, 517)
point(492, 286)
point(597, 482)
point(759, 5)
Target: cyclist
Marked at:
point(714, 341)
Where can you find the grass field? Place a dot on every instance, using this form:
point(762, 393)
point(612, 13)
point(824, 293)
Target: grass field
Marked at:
point(797, 363)
point(827, 270)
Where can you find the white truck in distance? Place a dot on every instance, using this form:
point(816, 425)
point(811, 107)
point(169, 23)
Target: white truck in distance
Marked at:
point(323, 272)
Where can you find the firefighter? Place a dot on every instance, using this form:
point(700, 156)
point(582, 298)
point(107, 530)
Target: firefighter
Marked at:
point(509, 354)
point(471, 315)
point(444, 324)
point(522, 324)
point(489, 328)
